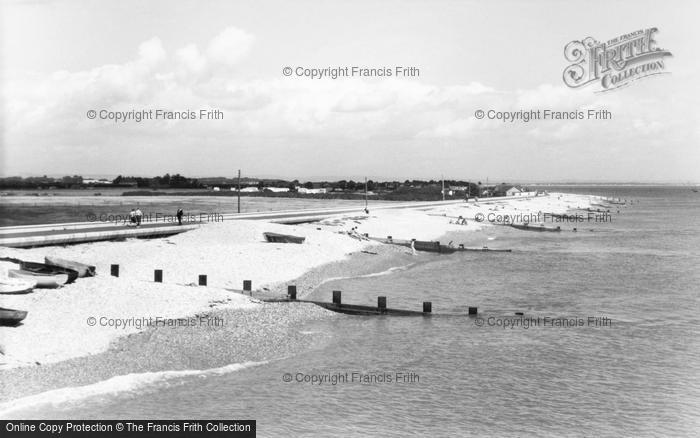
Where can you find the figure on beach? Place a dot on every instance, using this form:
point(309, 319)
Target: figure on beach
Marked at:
point(138, 215)
point(179, 216)
point(132, 216)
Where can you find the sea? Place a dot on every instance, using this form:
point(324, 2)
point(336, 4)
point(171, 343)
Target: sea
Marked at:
point(587, 333)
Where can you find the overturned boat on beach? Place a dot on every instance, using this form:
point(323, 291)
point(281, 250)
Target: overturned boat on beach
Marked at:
point(48, 281)
point(283, 238)
point(540, 227)
point(44, 269)
point(11, 317)
point(13, 286)
point(82, 269)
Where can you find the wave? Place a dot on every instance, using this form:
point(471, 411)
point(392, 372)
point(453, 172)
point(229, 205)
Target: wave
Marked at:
point(374, 274)
point(112, 386)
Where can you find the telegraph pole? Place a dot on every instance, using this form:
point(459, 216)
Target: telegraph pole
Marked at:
point(239, 190)
point(365, 193)
point(443, 187)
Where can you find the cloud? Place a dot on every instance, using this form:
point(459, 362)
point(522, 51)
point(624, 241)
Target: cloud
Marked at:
point(46, 112)
point(229, 46)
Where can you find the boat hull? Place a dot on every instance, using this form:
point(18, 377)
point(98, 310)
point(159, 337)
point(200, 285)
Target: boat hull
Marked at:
point(283, 238)
point(82, 269)
point(42, 280)
point(13, 286)
point(44, 269)
point(11, 317)
point(535, 228)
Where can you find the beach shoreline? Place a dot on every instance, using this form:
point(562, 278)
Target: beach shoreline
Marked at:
point(57, 332)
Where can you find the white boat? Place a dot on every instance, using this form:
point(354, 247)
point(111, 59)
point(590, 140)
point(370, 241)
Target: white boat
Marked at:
point(16, 286)
point(41, 280)
point(83, 269)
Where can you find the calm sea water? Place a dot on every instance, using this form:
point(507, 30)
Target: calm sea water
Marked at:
point(636, 373)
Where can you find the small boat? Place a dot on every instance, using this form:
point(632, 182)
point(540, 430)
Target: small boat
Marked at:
point(83, 269)
point(41, 268)
point(11, 317)
point(16, 286)
point(283, 238)
point(482, 249)
point(48, 281)
point(541, 227)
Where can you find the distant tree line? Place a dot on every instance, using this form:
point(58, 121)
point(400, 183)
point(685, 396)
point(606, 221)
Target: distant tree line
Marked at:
point(166, 181)
point(400, 190)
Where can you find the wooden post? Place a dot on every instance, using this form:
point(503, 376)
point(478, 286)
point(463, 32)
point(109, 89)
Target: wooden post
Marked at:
point(114, 270)
point(202, 280)
point(472, 310)
point(158, 275)
point(247, 285)
point(336, 297)
point(381, 303)
point(427, 307)
point(292, 292)
point(239, 190)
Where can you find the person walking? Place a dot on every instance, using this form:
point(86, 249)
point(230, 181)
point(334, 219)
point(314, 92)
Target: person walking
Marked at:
point(139, 215)
point(179, 216)
point(132, 216)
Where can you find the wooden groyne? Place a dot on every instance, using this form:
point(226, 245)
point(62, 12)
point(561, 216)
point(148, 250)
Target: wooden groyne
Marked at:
point(336, 305)
point(432, 246)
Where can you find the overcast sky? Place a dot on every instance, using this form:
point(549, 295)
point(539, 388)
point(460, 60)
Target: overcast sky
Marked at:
point(61, 59)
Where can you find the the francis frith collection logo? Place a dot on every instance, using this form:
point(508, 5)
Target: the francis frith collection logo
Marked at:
point(615, 63)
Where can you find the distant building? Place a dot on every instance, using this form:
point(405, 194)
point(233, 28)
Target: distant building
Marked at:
point(312, 191)
point(89, 181)
point(250, 190)
point(277, 189)
point(513, 191)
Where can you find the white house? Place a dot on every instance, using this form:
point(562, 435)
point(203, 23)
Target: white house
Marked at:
point(250, 190)
point(277, 189)
point(513, 191)
point(311, 191)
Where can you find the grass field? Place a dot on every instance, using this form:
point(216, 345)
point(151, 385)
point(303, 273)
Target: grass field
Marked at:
point(31, 210)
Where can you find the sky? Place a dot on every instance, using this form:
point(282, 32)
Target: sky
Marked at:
point(62, 59)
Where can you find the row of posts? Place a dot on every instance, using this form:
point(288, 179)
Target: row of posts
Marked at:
point(158, 278)
point(291, 291)
point(381, 301)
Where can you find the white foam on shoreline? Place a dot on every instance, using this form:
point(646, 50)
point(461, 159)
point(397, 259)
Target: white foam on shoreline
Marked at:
point(389, 271)
point(112, 386)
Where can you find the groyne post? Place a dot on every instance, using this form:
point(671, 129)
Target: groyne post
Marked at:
point(202, 280)
point(114, 270)
point(427, 307)
point(472, 310)
point(381, 304)
point(248, 286)
point(158, 275)
point(292, 292)
point(336, 297)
